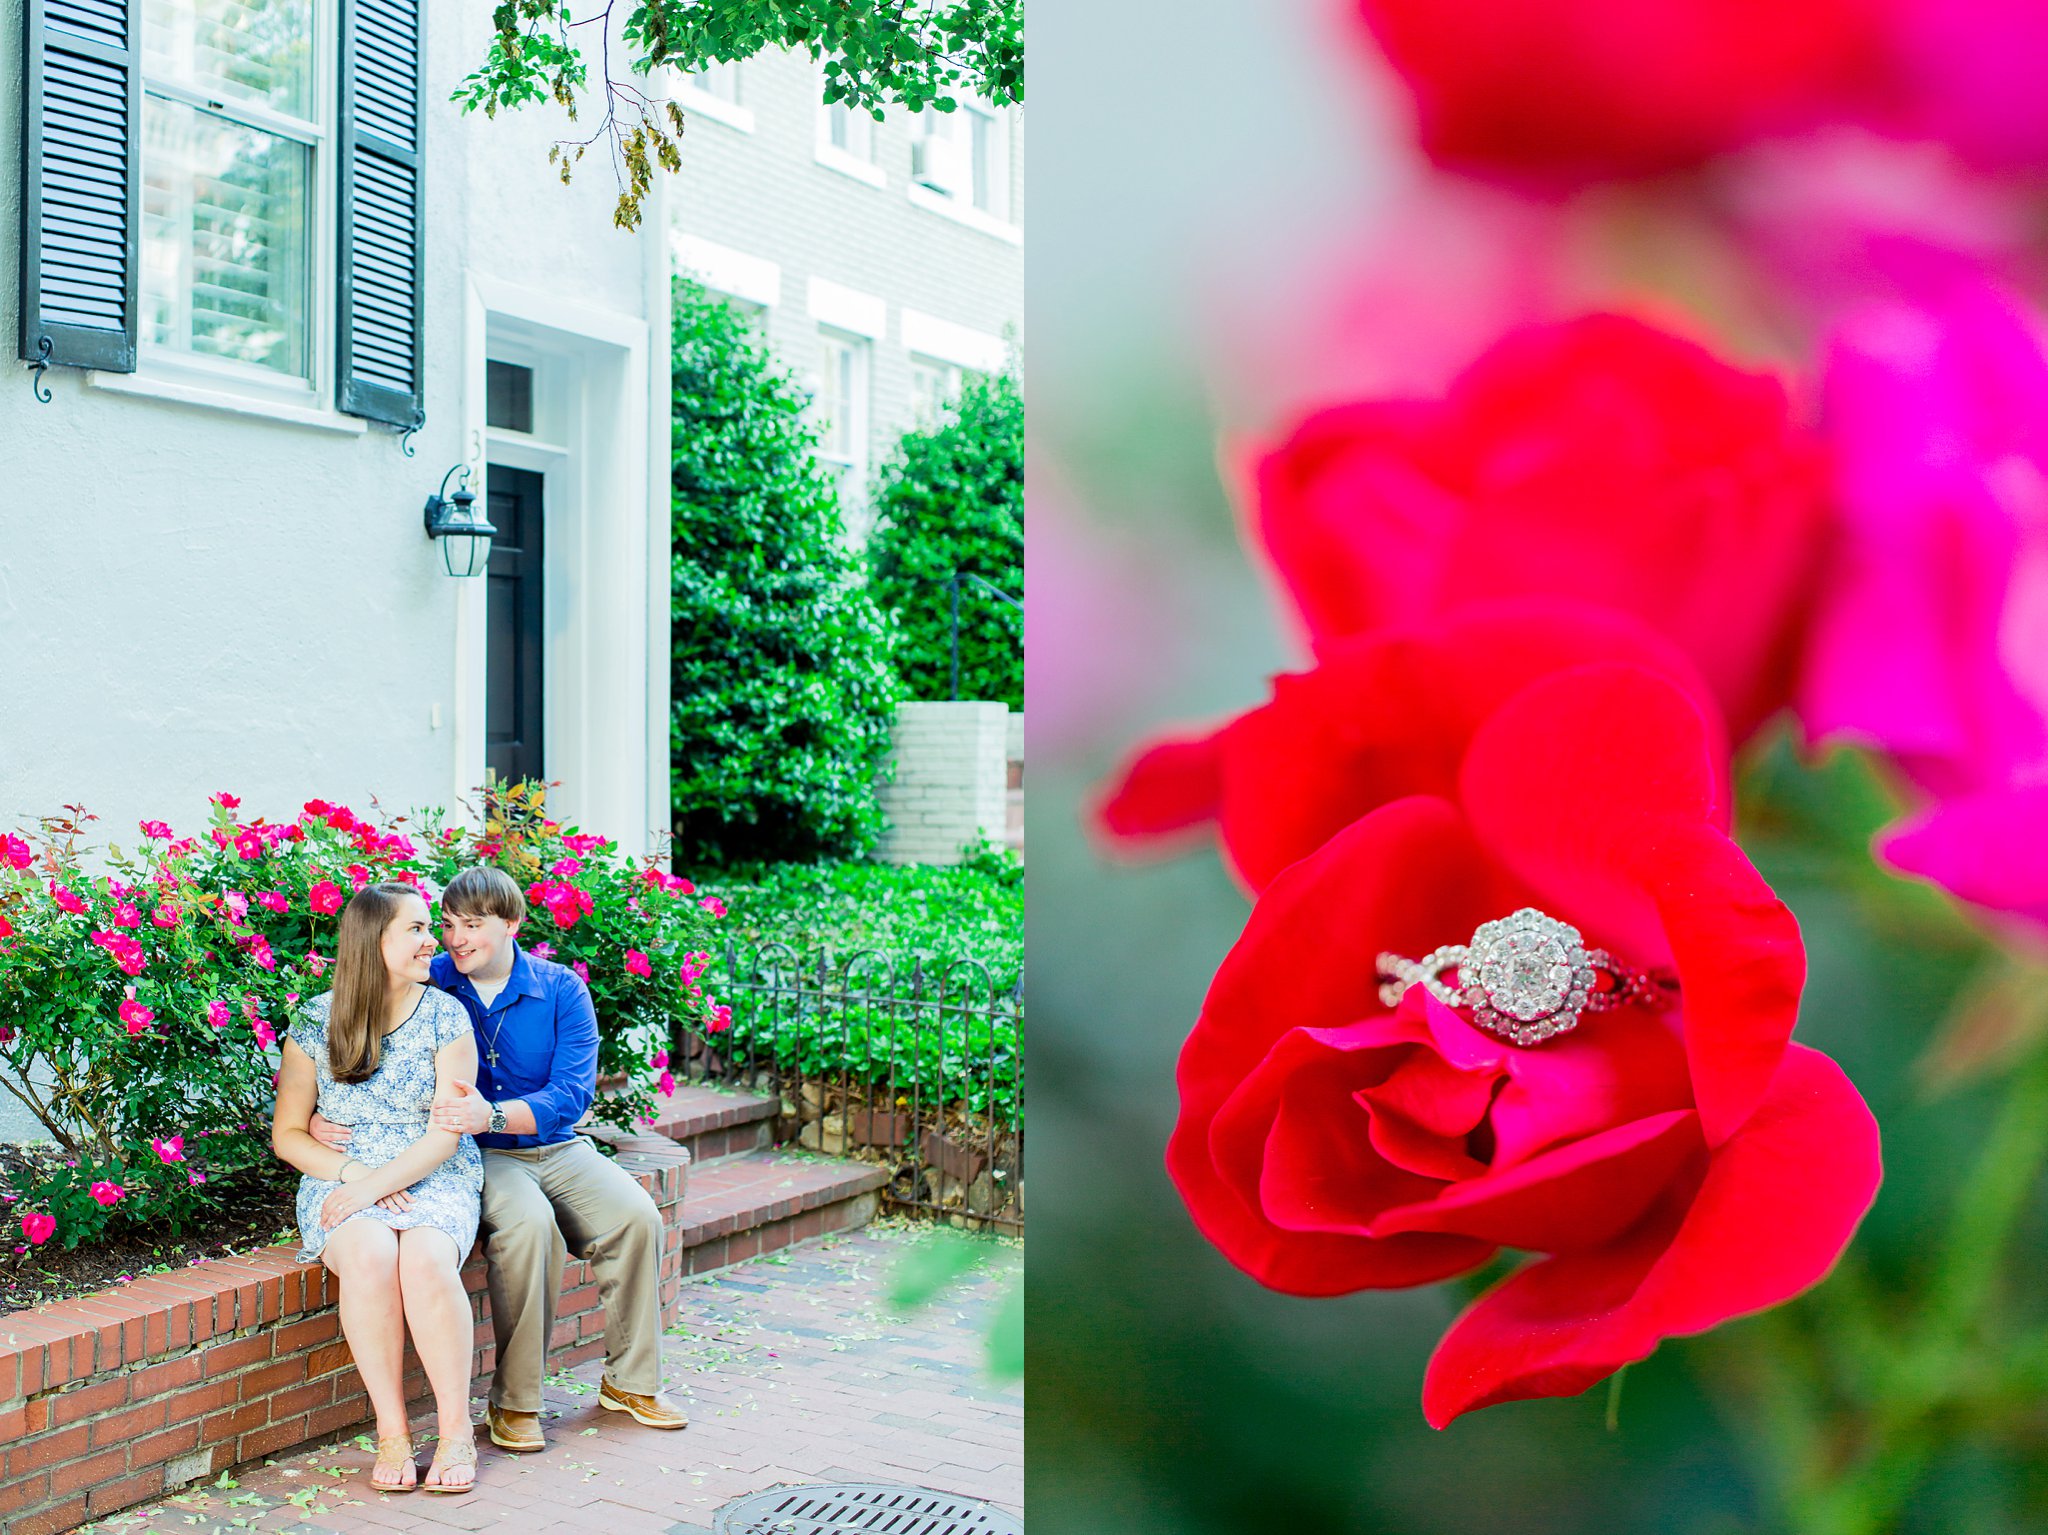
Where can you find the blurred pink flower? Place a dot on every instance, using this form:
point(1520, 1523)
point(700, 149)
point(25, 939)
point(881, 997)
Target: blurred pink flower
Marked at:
point(67, 899)
point(134, 1014)
point(542, 951)
point(38, 1227)
point(324, 898)
point(274, 900)
point(217, 1013)
point(660, 1061)
point(15, 852)
point(582, 970)
point(714, 905)
point(172, 1150)
point(1930, 637)
point(665, 1084)
point(566, 868)
point(156, 829)
point(721, 1020)
point(127, 915)
point(1970, 73)
point(266, 1036)
point(165, 915)
point(637, 963)
point(107, 1193)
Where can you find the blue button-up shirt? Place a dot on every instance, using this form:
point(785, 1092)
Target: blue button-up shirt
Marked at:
point(544, 1033)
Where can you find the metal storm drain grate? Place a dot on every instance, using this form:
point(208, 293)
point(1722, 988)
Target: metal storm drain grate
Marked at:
point(829, 1508)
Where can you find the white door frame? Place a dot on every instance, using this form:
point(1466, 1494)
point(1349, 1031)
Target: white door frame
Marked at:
point(605, 640)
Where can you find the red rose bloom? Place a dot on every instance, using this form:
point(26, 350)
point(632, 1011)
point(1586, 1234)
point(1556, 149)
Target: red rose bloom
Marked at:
point(1379, 717)
point(1575, 90)
point(1674, 1169)
point(1600, 460)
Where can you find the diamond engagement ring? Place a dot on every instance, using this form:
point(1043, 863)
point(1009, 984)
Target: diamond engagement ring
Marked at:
point(1526, 977)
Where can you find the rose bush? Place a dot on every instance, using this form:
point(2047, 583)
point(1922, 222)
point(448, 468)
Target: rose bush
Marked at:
point(1379, 717)
point(1602, 460)
point(143, 990)
point(1672, 1169)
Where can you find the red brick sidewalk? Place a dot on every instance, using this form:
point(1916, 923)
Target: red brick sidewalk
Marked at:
point(792, 1369)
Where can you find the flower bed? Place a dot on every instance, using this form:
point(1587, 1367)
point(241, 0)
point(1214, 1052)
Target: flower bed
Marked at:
point(143, 990)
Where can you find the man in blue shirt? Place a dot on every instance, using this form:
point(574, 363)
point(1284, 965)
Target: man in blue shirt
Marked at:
point(547, 1190)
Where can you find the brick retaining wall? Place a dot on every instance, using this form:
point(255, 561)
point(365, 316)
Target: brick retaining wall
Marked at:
point(121, 1396)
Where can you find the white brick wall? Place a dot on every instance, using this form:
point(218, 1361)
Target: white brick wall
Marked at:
point(949, 786)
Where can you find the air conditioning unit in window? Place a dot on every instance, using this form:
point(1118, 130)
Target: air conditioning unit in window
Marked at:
point(939, 164)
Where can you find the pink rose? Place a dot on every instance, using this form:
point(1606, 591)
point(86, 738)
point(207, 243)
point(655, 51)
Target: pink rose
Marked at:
point(637, 963)
point(582, 971)
point(266, 1036)
point(714, 905)
point(566, 868)
point(126, 915)
point(228, 801)
point(165, 916)
point(665, 1084)
point(135, 1015)
point(156, 829)
point(660, 1061)
point(38, 1227)
point(1930, 634)
point(14, 852)
point(172, 1150)
point(542, 951)
point(721, 1020)
point(67, 899)
point(107, 1193)
point(274, 901)
point(217, 1014)
point(324, 898)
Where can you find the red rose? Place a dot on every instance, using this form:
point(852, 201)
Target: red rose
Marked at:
point(1380, 716)
point(1674, 1169)
point(1579, 89)
point(1600, 460)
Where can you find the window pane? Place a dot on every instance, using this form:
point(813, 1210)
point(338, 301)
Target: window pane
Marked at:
point(224, 238)
point(508, 396)
point(851, 131)
point(234, 50)
point(984, 161)
point(834, 395)
point(720, 80)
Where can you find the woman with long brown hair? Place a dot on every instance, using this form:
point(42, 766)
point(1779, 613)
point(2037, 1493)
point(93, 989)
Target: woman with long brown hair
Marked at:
point(394, 1215)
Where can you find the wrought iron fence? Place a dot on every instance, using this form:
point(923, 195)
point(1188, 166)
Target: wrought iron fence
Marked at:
point(918, 1069)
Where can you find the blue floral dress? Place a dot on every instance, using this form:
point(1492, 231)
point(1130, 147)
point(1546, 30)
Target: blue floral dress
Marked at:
point(387, 1114)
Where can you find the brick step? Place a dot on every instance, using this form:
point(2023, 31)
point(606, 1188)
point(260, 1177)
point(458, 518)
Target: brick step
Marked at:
point(715, 1123)
point(765, 1201)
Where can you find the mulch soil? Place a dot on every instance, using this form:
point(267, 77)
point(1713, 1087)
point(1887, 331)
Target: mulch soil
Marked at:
point(252, 1213)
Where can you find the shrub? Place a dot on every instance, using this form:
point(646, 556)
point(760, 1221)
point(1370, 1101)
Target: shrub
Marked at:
point(955, 934)
point(140, 1008)
point(783, 692)
point(952, 499)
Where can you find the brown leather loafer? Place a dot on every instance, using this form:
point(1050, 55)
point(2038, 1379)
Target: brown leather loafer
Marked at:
point(650, 1410)
point(518, 1432)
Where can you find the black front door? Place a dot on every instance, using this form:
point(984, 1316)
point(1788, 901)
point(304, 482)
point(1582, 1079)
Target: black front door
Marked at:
point(512, 711)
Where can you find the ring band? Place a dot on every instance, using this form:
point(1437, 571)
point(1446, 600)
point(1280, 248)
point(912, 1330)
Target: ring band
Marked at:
point(1526, 977)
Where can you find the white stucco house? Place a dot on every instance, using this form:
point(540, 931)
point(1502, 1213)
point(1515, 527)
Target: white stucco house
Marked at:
point(255, 243)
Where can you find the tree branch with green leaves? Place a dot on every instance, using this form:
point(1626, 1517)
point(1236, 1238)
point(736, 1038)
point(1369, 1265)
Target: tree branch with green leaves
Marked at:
point(875, 54)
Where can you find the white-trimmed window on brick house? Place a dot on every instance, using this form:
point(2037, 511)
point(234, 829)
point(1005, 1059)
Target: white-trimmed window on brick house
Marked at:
point(846, 139)
point(717, 91)
point(840, 406)
point(934, 388)
point(960, 165)
point(237, 143)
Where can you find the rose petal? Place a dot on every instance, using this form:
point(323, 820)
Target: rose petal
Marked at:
point(1613, 1068)
point(1990, 848)
point(1169, 787)
point(1399, 879)
point(1565, 1200)
point(1777, 1206)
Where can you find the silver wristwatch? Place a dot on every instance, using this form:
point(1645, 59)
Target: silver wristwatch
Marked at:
point(497, 1120)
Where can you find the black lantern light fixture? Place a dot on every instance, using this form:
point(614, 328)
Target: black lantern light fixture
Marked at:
point(464, 532)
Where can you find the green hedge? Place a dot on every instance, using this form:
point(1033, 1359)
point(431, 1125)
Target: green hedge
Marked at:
point(952, 498)
point(783, 691)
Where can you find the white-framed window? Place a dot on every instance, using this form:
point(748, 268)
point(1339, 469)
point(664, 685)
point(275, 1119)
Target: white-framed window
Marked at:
point(717, 91)
point(237, 178)
point(967, 156)
point(934, 387)
point(841, 407)
point(846, 139)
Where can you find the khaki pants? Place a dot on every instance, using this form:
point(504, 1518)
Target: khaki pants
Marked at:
point(540, 1203)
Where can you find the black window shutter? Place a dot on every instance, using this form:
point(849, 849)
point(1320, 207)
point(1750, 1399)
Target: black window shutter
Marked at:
point(382, 267)
point(81, 182)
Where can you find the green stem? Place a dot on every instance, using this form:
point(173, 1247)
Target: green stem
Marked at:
point(1923, 1379)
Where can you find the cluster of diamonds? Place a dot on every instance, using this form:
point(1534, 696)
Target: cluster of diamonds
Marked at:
point(1527, 976)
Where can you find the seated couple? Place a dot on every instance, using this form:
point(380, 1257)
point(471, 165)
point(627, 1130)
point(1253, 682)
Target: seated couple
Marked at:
point(424, 1093)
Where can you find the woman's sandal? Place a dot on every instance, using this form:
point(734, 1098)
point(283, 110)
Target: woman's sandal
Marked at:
point(393, 1452)
point(448, 1454)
